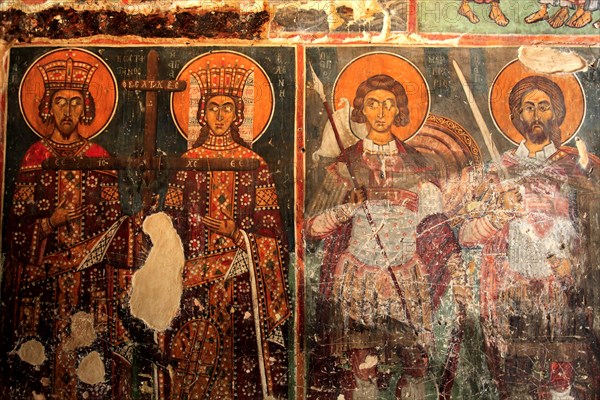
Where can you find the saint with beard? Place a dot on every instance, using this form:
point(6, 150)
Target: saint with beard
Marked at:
point(532, 228)
point(56, 219)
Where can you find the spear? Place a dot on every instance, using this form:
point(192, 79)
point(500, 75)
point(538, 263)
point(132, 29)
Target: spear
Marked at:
point(318, 87)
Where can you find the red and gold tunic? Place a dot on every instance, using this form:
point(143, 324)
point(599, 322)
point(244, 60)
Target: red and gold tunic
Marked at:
point(44, 287)
point(212, 345)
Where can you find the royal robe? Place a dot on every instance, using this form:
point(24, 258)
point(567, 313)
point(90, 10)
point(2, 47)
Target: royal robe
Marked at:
point(235, 299)
point(48, 298)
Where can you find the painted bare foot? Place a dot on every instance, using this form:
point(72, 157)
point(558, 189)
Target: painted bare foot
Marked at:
point(597, 24)
point(559, 18)
point(538, 16)
point(576, 15)
point(465, 11)
point(582, 21)
point(497, 15)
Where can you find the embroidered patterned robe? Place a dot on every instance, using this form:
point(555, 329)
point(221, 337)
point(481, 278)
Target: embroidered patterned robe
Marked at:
point(212, 345)
point(43, 288)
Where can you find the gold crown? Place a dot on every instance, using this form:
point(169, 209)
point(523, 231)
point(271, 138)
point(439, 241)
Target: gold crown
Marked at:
point(68, 74)
point(222, 81)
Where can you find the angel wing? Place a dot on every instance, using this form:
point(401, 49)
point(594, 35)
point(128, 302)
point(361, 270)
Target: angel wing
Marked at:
point(350, 133)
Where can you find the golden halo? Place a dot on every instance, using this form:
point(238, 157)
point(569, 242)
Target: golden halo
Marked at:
point(397, 67)
point(103, 88)
point(184, 104)
point(515, 71)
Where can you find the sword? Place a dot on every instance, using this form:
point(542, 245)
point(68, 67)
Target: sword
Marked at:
point(485, 132)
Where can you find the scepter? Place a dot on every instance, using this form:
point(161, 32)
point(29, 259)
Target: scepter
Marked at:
point(318, 87)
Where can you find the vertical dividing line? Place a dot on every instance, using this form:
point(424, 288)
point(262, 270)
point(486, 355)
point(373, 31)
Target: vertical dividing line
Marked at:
point(4, 71)
point(299, 170)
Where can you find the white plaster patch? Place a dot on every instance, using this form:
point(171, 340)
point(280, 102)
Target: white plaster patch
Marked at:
point(91, 369)
point(158, 285)
point(584, 158)
point(551, 61)
point(32, 352)
point(370, 362)
point(37, 396)
point(565, 395)
point(83, 333)
point(252, 6)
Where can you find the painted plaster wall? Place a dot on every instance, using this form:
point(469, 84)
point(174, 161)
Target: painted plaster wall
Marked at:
point(326, 35)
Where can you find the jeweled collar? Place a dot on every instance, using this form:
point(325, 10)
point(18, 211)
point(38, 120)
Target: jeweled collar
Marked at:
point(223, 142)
point(390, 148)
point(67, 149)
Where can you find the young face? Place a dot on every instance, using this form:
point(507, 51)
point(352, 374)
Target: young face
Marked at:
point(220, 114)
point(380, 109)
point(537, 115)
point(67, 110)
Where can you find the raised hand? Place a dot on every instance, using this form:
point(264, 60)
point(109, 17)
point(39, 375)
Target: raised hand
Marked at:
point(62, 215)
point(225, 227)
point(358, 195)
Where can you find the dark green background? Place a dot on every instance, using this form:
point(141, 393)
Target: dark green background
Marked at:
point(124, 134)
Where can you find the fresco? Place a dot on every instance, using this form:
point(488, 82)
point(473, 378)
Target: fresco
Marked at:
point(529, 17)
point(300, 200)
point(450, 241)
point(176, 205)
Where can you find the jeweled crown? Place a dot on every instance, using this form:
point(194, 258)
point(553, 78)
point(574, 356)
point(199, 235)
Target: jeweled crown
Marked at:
point(67, 74)
point(222, 81)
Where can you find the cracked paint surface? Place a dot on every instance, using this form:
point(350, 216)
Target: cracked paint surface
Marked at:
point(329, 35)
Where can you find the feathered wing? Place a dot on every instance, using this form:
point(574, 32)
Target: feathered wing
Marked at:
point(332, 191)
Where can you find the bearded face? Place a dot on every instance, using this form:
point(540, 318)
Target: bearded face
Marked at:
point(540, 131)
point(67, 110)
point(537, 121)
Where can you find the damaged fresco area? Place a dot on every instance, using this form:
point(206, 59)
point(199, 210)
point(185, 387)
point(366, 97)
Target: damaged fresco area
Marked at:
point(452, 243)
point(310, 199)
point(399, 21)
point(449, 251)
point(338, 16)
